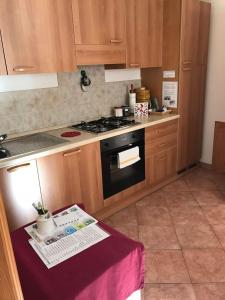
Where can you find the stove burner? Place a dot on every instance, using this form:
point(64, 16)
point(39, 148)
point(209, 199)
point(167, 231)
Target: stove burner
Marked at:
point(105, 124)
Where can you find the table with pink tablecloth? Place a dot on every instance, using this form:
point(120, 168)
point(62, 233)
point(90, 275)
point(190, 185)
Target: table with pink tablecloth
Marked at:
point(110, 270)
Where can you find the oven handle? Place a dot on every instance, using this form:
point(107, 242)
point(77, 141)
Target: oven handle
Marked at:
point(123, 148)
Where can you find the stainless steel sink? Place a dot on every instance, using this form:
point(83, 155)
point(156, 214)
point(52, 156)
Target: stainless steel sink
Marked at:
point(28, 144)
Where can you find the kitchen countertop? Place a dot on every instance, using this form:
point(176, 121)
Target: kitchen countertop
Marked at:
point(83, 139)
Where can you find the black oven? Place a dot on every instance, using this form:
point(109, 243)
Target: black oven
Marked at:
point(116, 179)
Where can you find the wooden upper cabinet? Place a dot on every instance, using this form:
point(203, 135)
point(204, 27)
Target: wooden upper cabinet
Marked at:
point(99, 27)
point(190, 11)
point(3, 70)
point(37, 35)
point(144, 33)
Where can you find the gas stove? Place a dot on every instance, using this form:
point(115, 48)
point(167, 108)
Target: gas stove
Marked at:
point(105, 124)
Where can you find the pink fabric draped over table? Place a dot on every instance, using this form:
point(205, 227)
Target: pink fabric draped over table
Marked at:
point(110, 270)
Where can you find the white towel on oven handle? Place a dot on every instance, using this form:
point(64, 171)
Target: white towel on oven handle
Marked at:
point(128, 157)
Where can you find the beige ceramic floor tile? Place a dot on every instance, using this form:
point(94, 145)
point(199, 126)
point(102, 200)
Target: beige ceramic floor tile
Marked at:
point(169, 292)
point(187, 215)
point(130, 231)
point(210, 291)
point(180, 199)
point(126, 216)
point(158, 237)
point(154, 199)
point(215, 214)
point(154, 216)
point(198, 236)
point(220, 233)
point(165, 266)
point(205, 265)
point(209, 197)
point(178, 185)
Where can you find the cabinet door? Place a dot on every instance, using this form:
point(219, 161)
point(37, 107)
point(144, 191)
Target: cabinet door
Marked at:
point(161, 166)
point(188, 99)
point(9, 284)
point(3, 70)
point(190, 12)
point(196, 109)
point(219, 147)
point(72, 177)
point(60, 182)
point(144, 33)
point(37, 35)
point(99, 22)
point(99, 27)
point(20, 188)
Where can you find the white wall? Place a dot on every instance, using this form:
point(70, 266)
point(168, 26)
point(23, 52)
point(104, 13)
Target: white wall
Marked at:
point(215, 92)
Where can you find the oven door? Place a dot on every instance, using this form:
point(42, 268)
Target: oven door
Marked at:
point(115, 179)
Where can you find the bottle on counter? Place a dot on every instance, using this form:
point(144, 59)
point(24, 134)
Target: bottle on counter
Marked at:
point(132, 99)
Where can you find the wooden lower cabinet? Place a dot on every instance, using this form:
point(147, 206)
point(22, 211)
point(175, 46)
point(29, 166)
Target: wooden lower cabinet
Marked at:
point(20, 188)
point(161, 152)
point(161, 166)
point(72, 177)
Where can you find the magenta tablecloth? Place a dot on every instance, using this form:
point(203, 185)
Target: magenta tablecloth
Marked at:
point(110, 270)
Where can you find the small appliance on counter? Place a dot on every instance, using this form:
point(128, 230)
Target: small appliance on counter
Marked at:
point(122, 111)
point(105, 124)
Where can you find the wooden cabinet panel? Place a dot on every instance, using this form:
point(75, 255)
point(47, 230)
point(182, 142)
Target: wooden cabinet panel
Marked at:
point(144, 33)
point(60, 179)
point(99, 27)
point(99, 22)
point(190, 11)
point(20, 188)
point(161, 166)
point(161, 152)
point(183, 107)
point(72, 177)
point(3, 70)
point(162, 130)
point(91, 176)
point(37, 35)
point(100, 54)
point(204, 27)
point(219, 147)
point(10, 288)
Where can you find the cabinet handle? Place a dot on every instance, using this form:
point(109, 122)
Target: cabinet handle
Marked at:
point(115, 41)
point(72, 153)
point(162, 145)
point(186, 69)
point(22, 68)
point(162, 157)
point(134, 65)
point(17, 168)
point(187, 62)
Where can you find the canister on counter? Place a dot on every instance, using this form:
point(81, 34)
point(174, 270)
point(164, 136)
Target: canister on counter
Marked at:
point(142, 95)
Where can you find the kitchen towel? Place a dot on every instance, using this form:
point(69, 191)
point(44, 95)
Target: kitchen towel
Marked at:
point(128, 157)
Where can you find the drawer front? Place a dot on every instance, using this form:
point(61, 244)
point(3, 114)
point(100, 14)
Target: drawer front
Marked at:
point(161, 144)
point(162, 130)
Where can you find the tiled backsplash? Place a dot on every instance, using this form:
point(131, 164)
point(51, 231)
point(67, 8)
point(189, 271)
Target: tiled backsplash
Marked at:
point(29, 110)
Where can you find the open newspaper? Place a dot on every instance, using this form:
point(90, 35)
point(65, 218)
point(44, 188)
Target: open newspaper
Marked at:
point(74, 232)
